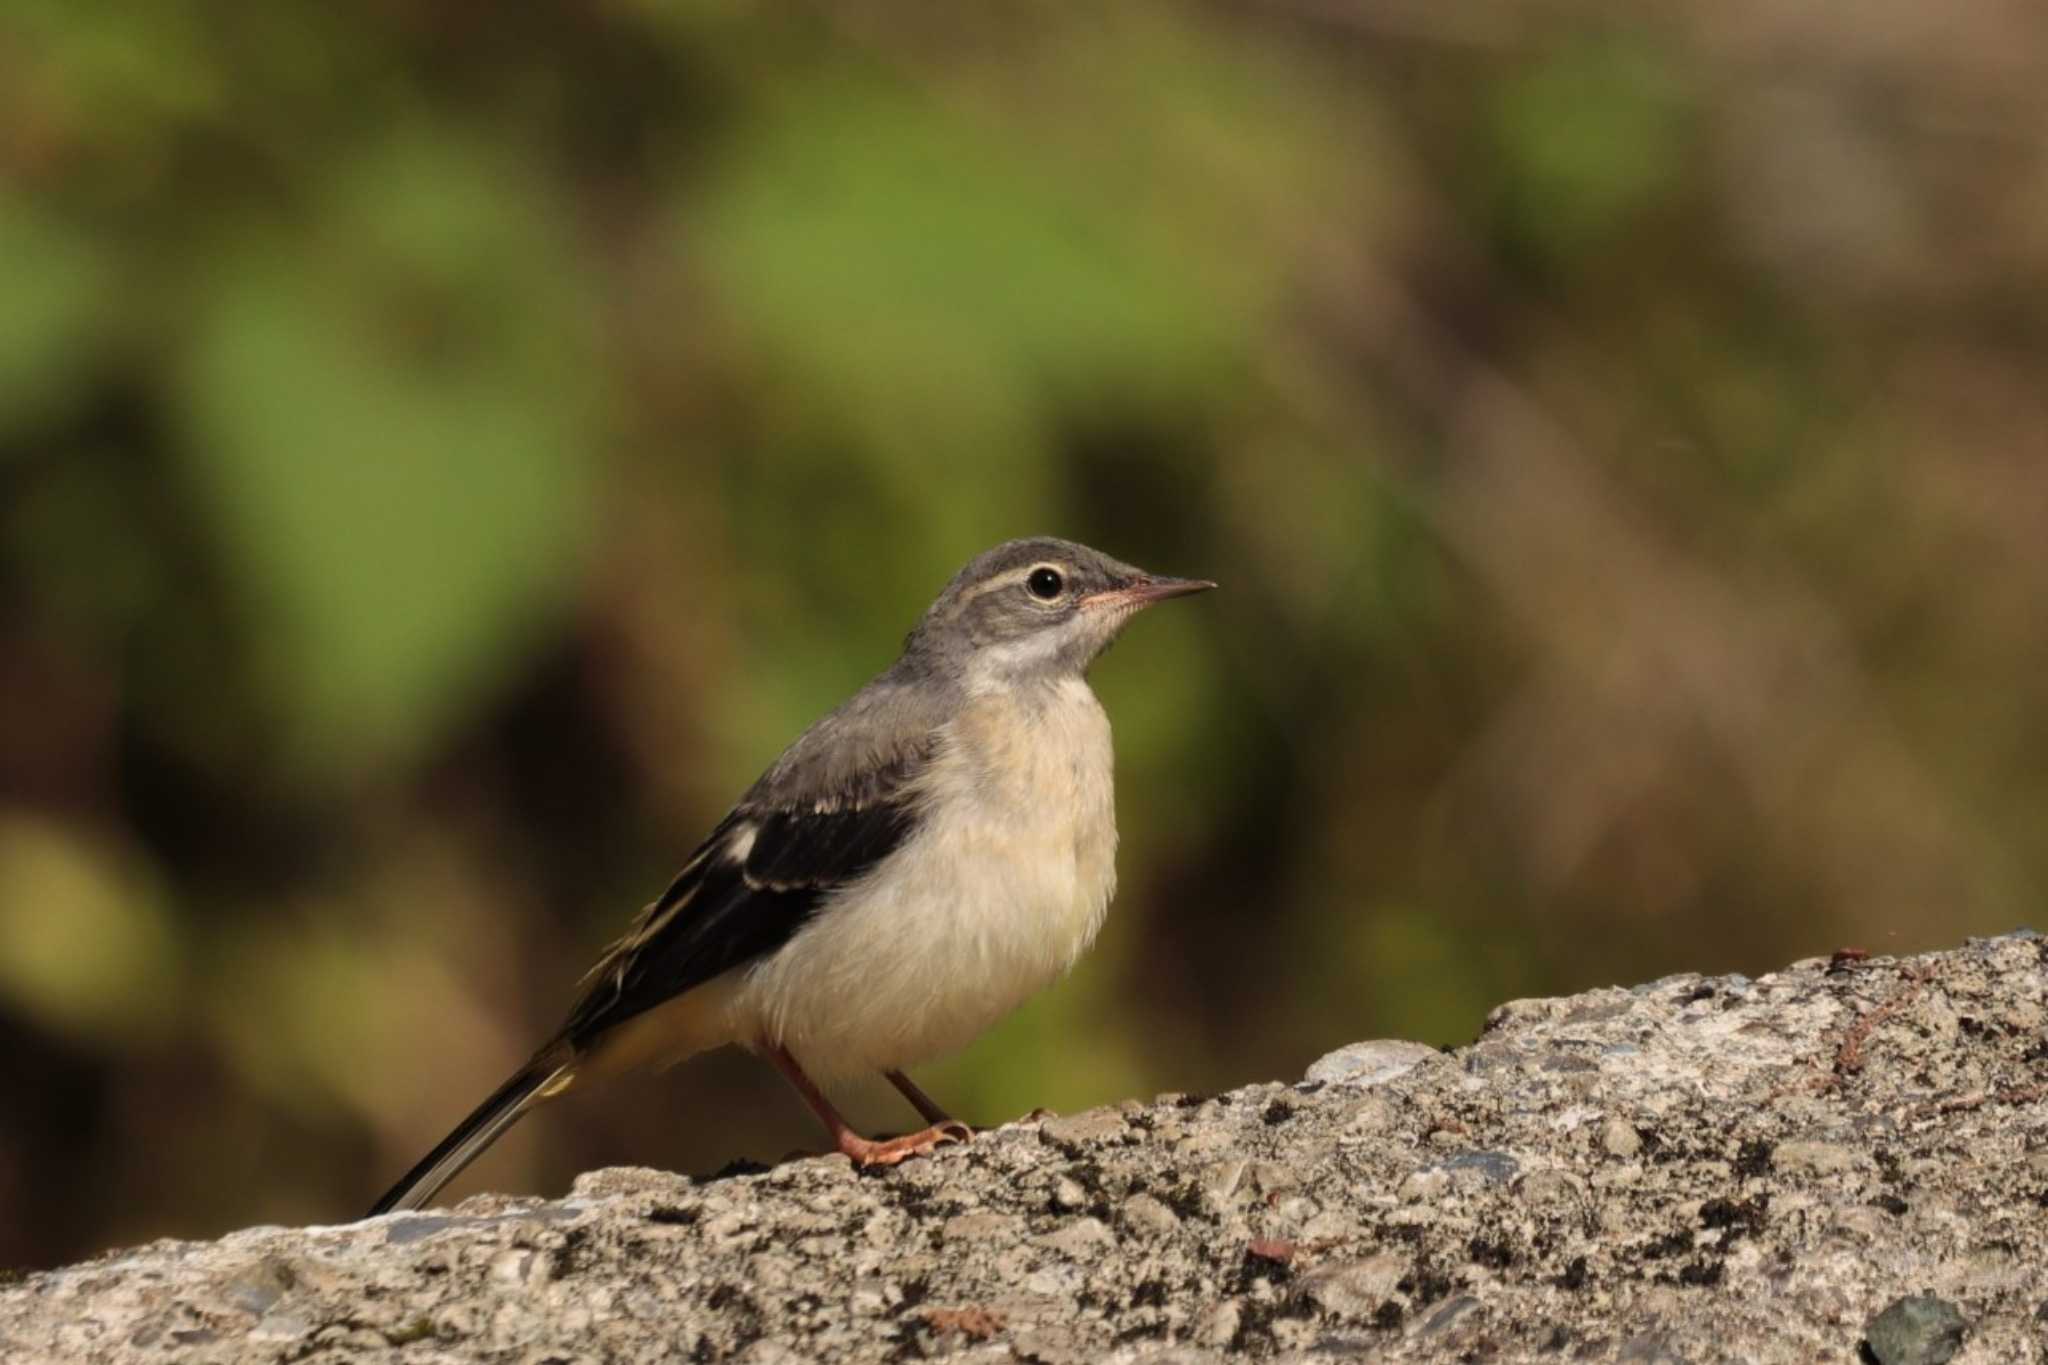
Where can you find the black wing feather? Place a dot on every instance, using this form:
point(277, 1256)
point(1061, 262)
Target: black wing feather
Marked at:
point(719, 914)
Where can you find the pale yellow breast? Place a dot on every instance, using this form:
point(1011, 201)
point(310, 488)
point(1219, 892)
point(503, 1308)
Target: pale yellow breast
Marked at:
point(1044, 768)
point(1002, 887)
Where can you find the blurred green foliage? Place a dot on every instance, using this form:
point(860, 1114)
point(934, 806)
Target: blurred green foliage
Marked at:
point(446, 452)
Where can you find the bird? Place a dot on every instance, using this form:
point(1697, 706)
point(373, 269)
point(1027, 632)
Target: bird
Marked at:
point(913, 867)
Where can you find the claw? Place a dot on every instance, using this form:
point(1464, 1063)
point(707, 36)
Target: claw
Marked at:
point(867, 1152)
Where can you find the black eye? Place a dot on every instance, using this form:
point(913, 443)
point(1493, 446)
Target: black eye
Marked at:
point(1045, 584)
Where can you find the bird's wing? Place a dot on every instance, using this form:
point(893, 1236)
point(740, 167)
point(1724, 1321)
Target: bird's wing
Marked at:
point(804, 831)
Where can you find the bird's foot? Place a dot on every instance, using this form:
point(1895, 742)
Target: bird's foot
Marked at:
point(868, 1152)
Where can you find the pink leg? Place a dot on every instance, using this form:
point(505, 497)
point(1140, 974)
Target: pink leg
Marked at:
point(927, 1107)
point(864, 1151)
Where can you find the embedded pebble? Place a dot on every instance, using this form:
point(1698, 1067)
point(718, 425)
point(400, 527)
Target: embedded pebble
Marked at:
point(1143, 1214)
point(1082, 1237)
point(1814, 1158)
point(1083, 1130)
point(1356, 1289)
point(1368, 1064)
point(1916, 1330)
point(1619, 1137)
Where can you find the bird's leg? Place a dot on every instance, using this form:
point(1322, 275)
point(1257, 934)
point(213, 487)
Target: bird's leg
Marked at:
point(926, 1106)
point(863, 1151)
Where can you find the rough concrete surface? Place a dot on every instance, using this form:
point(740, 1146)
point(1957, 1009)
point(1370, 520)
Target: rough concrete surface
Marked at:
point(1844, 1160)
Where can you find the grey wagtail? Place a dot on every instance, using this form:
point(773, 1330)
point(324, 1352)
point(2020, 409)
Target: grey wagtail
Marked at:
point(913, 868)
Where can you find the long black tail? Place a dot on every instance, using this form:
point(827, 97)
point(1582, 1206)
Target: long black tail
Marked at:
point(540, 1077)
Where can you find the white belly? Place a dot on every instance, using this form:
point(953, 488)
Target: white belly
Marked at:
point(996, 894)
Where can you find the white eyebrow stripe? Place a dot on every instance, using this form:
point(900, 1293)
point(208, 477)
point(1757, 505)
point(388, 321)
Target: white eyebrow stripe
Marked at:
point(1009, 578)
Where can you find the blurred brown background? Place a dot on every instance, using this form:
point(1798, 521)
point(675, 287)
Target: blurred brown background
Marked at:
point(446, 451)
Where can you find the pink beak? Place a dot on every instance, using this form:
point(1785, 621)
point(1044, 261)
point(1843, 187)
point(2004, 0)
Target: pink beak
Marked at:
point(1146, 591)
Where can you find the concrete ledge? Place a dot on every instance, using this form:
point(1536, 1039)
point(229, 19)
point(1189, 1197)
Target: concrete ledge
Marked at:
point(1700, 1169)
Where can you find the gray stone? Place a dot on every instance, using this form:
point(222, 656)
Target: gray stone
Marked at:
point(1147, 1217)
point(1619, 1138)
point(1815, 1158)
point(1082, 1238)
point(1077, 1131)
point(1450, 1315)
point(1355, 1289)
point(255, 1289)
point(1488, 1205)
point(1916, 1330)
point(976, 1228)
point(1368, 1117)
point(1367, 1064)
point(1492, 1167)
point(1218, 1327)
point(1222, 1183)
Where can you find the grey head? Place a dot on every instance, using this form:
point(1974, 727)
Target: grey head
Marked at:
point(1028, 611)
point(1032, 610)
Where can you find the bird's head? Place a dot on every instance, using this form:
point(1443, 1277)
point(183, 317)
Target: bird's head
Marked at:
point(1036, 610)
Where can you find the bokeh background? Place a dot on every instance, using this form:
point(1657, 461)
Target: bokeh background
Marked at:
point(446, 450)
